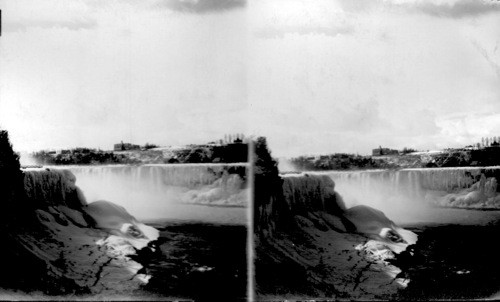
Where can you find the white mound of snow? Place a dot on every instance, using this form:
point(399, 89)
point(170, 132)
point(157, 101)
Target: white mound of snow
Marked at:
point(118, 221)
point(387, 239)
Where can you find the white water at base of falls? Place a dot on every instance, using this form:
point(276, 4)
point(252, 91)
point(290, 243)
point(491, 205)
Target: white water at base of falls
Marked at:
point(202, 193)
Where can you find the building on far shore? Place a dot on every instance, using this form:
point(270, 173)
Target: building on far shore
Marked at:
point(384, 151)
point(125, 147)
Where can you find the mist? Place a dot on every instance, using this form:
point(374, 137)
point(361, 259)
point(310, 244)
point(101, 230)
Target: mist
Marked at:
point(26, 159)
point(402, 204)
point(285, 165)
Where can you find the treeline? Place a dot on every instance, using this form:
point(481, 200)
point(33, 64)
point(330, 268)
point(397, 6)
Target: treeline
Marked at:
point(233, 153)
point(81, 156)
point(488, 142)
point(453, 158)
point(337, 161)
point(480, 157)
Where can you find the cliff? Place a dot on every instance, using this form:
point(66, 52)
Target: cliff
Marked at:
point(308, 244)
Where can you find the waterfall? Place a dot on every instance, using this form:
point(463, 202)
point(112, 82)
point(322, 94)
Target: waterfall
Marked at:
point(154, 177)
point(163, 190)
point(413, 194)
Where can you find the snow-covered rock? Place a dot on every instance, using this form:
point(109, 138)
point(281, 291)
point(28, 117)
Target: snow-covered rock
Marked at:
point(85, 247)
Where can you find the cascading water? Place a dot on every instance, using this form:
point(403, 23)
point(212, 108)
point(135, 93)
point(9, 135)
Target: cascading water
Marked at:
point(412, 195)
point(163, 191)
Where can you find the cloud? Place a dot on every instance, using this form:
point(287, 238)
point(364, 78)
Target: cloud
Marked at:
point(363, 117)
point(23, 14)
point(450, 8)
point(279, 18)
point(280, 32)
point(201, 6)
point(68, 24)
point(437, 8)
point(459, 9)
point(467, 128)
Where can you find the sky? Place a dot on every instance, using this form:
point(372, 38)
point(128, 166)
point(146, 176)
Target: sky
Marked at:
point(314, 77)
point(350, 76)
point(94, 73)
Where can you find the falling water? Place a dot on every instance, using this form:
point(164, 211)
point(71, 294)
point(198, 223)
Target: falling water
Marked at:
point(414, 195)
point(177, 191)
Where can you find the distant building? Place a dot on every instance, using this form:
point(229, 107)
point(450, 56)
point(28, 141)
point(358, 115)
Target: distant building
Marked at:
point(384, 151)
point(237, 138)
point(125, 147)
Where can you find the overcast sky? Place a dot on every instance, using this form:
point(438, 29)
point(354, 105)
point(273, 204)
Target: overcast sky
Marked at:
point(348, 76)
point(315, 77)
point(93, 73)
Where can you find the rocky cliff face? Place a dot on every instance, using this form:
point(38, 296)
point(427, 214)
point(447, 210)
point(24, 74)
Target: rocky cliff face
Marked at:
point(309, 244)
point(57, 243)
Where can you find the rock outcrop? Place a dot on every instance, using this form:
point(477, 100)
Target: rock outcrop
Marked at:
point(59, 244)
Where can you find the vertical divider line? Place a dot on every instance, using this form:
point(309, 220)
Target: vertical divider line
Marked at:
point(250, 231)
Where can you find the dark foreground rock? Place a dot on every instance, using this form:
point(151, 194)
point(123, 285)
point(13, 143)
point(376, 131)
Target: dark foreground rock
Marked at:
point(199, 261)
point(452, 262)
point(57, 244)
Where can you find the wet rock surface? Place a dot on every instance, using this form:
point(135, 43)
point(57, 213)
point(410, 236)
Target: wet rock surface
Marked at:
point(451, 262)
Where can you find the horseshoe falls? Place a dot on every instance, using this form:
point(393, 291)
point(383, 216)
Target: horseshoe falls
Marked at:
point(420, 195)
